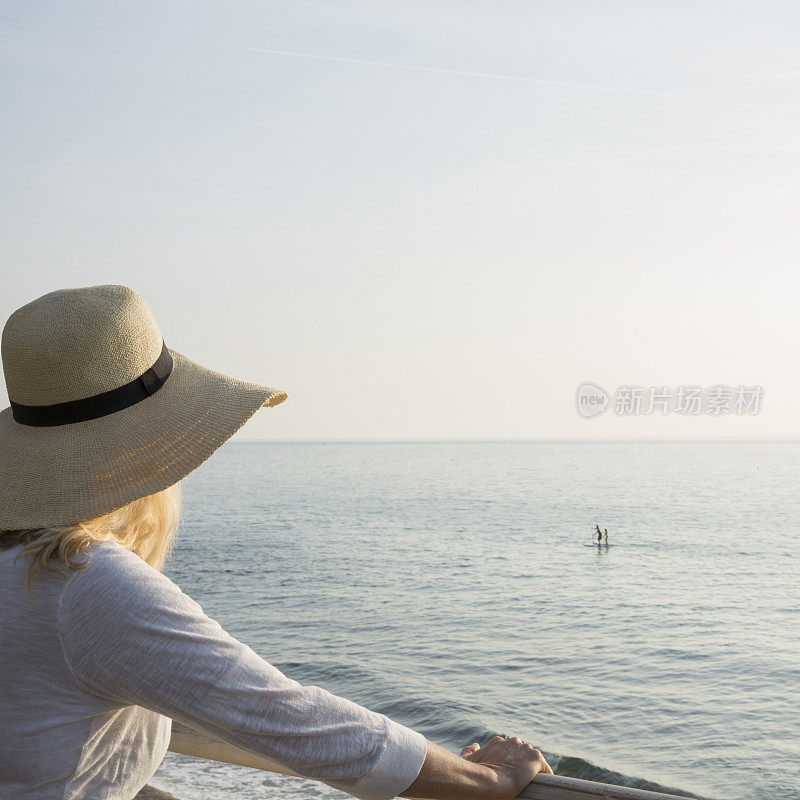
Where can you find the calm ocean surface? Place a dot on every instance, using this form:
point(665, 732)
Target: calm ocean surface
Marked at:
point(455, 587)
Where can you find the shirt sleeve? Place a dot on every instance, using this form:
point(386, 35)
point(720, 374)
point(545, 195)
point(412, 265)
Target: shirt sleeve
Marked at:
point(131, 636)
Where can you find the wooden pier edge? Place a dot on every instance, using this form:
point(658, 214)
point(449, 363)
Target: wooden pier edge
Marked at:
point(545, 787)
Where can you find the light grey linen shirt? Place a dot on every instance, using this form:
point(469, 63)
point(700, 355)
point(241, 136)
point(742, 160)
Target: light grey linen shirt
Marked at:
point(93, 671)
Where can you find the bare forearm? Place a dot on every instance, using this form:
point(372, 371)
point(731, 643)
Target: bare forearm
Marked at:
point(446, 776)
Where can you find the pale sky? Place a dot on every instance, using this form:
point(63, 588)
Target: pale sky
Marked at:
point(423, 254)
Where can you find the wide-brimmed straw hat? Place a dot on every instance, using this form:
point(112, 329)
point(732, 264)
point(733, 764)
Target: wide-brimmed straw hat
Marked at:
point(102, 411)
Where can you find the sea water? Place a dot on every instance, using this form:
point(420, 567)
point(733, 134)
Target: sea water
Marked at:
point(457, 588)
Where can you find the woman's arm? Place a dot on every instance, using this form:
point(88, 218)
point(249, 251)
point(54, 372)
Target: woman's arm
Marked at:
point(131, 637)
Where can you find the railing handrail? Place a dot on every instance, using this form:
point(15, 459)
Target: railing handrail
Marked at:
point(191, 742)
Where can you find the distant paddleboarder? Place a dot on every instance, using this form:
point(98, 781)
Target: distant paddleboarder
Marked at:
point(599, 534)
point(606, 535)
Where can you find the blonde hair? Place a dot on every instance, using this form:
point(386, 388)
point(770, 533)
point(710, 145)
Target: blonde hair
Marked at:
point(146, 527)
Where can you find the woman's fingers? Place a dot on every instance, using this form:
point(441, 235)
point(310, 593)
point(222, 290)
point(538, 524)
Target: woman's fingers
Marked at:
point(540, 764)
point(516, 758)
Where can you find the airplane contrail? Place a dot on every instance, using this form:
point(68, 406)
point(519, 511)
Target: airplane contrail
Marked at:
point(518, 78)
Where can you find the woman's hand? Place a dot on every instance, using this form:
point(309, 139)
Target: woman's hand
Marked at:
point(516, 762)
point(498, 771)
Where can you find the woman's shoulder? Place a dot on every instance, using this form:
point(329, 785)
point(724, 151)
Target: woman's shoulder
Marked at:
point(111, 554)
point(113, 562)
point(122, 579)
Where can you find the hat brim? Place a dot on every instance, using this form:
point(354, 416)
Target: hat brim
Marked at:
point(70, 473)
